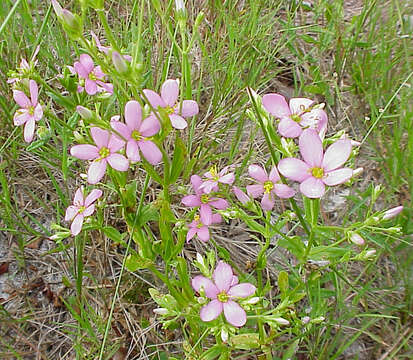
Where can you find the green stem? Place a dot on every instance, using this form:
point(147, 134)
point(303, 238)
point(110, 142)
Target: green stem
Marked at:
point(108, 31)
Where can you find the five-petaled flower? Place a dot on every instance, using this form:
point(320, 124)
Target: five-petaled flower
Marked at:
point(136, 132)
point(105, 151)
point(214, 178)
point(317, 169)
point(93, 76)
point(168, 101)
point(30, 111)
point(268, 185)
point(81, 208)
point(295, 117)
point(200, 227)
point(223, 290)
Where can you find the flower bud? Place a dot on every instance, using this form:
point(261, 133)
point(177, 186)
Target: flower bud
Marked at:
point(281, 321)
point(200, 259)
point(57, 8)
point(305, 319)
point(356, 239)
point(161, 311)
point(224, 335)
point(85, 113)
point(357, 172)
point(391, 213)
point(369, 254)
point(253, 300)
point(119, 63)
point(241, 196)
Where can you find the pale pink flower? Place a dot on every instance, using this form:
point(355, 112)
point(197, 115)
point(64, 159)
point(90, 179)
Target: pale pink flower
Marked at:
point(223, 290)
point(241, 196)
point(30, 111)
point(268, 185)
point(136, 133)
point(93, 76)
point(200, 227)
point(168, 101)
point(81, 208)
point(318, 169)
point(391, 213)
point(214, 178)
point(296, 116)
point(105, 151)
point(203, 200)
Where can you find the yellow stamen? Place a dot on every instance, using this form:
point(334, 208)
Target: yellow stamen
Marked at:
point(317, 172)
point(136, 135)
point(81, 209)
point(204, 198)
point(223, 297)
point(104, 152)
point(268, 186)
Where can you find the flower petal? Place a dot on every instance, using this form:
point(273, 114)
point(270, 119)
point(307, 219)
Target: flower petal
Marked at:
point(274, 176)
point(38, 112)
point(294, 169)
point(21, 116)
point(87, 62)
point(258, 173)
point(234, 313)
point(93, 196)
point(132, 150)
point(118, 162)
point(276, 105)
point(80, 69)
point(217, 203)
point(209, 287)
point(283, 191)
point(89, 210)
point(227, 179)
point(216, 218)
point(336, 154)
point(115, 143)
point(206, 214)
point(150, 151)
point(312, 188)
point(242, 290)
point(77, 223)
point(338, 176)
point(121, 128)
point(178, 122)
point(196, 183)
point(133, 115)
point(154, 99)
point(150, 126)
point(311, 147)
point(241, 196)
point(71, 212)
point(91, 87)
point(223, 276)
point(289, 128)
point(100, 137)
point(21, 99)
point(96, 171)
point(29, 130)
point(189, 108)
point(191, 201)
point(211, 311)
point(191, 233)
point(170, 92)
point(34, 92)
point(267, 202)
point(84, 152)
point(79, 199)
point(209, 185)
point(255, 190)
point(203, 233)
point(299, 105)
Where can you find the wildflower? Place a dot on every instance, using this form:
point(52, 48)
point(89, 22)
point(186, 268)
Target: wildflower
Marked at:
point(200, 226)
point(136, 132)
point(30, 111)
point(268, 185)
point(93, 76)
point(81, 208)
point(391, 213)
point(25, 67)
point(203, 200)
point(214, 178)
point(356, 239)
point(317, 169)
point(104, 152)
point(241, 196)
point(168, 101)
point(223, 290)
point(295, 117)
point(106, 49)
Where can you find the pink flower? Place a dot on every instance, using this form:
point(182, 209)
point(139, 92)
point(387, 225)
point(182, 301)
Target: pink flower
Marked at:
point(105, 49)
point(30, 111)
point(391, 213)
point(214, 178)
point(241, 196)
point(200, 228)
point(93, 76)
point(268, 185)
point(299, 115)
point(104, 152)
point(223, 290)
point(168, 101)
point(203, 200)
point(317, 169)
point(81, 208)
point(136, 132)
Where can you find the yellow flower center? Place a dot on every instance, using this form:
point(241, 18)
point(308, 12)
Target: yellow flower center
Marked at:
point(296, 118)
point(198, 218)
point(92, 76)
point(81, 209)
point(223, 297)
point(104, 152)
point(169, 110)
point(214, 172)
point(204, 198)
point(268, 186)
point(136, 135)
point(317, 172)
point(31, 110)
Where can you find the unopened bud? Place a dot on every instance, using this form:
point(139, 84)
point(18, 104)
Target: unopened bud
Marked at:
point(241, 196)
point(85, 113)
point(57, 8)
point(179, 5)
point(200, 259)
point(356, 239)
point(224, 335)
point(391, 213)
point(305, 319)
point(253, 300)
point(357, 172)
point(161, 311)
point(281, 321)
point(369, 254)
point(119, 63)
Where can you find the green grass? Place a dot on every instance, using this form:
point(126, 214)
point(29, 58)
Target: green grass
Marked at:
point(360, 65)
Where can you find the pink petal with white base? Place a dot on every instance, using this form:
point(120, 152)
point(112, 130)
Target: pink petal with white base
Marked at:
point(132, 150)
point(96, 171)
point(257, 173)
point(312, 188)
point(93, 196)
point(222, 276)
point(38, 112)
point(150, 151)
point(150, 126)
point(71, 212)
point(170, 92)
point(211, 311)
point(118, 162)
point(241, 196)
point(89, 210)
point(106, 86)
point(311, 148)
point(191, 201)
point(289, 128)
point(154, 99)
point(29, 130)
point(191, 233)
point(189, 108)
point(79, 200)
point(34, 91)
point(203, 233)
point(178, 122)
point(21, 116)
point(234, 313)
point(227, 179)
point(196, 182)
point(77, 223)
point(84, 152)
point(100, 136)
point(220, 204)
point(242, 290)
point(91, 87)
point(133, 115)
point(274, 176)
point(283, 191)
point(21, 99)
point(255, 190)
point(267, 202)
point(216, 218)
point(294, 169)
point(276, 105)
point(299, 105)
point(337, 154)
point(209, 287)
point(338, 176)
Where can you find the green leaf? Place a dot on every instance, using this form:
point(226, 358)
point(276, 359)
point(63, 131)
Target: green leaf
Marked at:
point(246, 341)
point(213, 352)
point(113, 234)
point(178, 160)
point(283, 282)
point(294, 245)
point(291, 350)
point(135, 262)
